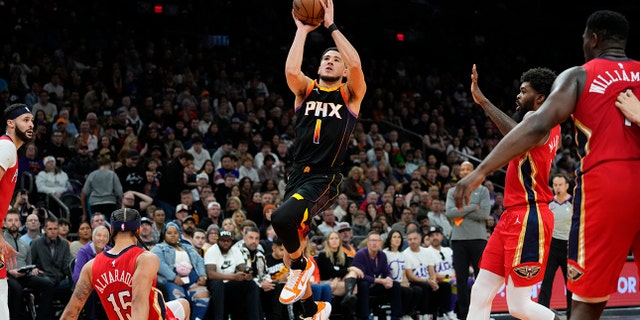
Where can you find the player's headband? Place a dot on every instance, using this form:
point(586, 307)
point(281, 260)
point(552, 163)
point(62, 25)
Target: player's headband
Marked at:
point(125, 225)
point(17, 112)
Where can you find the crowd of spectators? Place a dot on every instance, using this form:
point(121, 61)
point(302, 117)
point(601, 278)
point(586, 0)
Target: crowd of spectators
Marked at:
point(195, 133)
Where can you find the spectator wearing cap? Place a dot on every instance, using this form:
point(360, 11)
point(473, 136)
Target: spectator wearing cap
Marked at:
point(202, 180)
point(228, 281)
point(131, 174)
point(182, 211)
point(52, 180)
point(234, 132)
point(188, 228)
point(146, 232)
point(445, 274)
point(200, 154)
point(344, 229)
point(182, 271)
point(401, 175)
point(63, 117)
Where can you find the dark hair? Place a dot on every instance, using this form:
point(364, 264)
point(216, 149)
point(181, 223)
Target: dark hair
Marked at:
point(329, 49)
point(126, 217)
point(64, 221)
point(561, 175)
point(277, 241)
point(185, 155)
point(540, 79)
point(387, 242)
point(13, 107)
point(269, 158)
point(252, 229)
point(608, 25)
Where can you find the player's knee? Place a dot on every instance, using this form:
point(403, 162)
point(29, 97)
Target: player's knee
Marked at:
point(279, 220)
point(286, 216)
point(517, 310)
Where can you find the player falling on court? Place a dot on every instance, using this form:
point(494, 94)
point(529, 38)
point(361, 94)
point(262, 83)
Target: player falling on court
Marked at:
point(125, 277)
point(517, 251)
point(19, 130)
point(605, 200)
point(327, 111)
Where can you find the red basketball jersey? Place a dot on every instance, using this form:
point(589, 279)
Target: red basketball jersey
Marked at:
point(8, 182)
point(602, 132)
point(9, 163)
point(527, 180)
point(111, 276)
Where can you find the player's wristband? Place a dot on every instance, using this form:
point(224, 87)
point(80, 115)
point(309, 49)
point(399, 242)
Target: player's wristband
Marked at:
point(332, 28)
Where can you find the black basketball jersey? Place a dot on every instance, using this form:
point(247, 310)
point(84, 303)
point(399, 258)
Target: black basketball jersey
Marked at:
point(323, 126)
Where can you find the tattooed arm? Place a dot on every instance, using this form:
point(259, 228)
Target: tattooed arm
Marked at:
point(80, 293)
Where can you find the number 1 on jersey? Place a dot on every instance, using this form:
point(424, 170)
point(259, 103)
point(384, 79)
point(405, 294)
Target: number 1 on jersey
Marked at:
point(316, 132)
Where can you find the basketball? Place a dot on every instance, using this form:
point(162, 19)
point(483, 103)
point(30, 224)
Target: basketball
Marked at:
point(309, 12)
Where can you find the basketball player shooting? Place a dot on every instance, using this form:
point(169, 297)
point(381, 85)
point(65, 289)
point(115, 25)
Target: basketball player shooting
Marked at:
point(327, 111)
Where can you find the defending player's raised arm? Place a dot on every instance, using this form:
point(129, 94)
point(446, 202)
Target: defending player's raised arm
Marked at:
point(356, 85)
point(80, 294)
point(528, 133)
point(556, 109)
point(296, 79)
point(499, 118)
point(147, 265)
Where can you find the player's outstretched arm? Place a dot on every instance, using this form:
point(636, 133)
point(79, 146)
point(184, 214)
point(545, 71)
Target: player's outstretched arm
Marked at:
point(296, 79)
point(355, 77)
point(501, 119)
point(629, 104)
point(147, 265)
point(80, 293)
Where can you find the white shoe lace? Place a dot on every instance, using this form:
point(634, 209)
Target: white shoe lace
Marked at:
point(292, 279)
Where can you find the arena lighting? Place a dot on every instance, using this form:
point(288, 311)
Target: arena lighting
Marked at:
point(400, 37)
point(157, 9)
